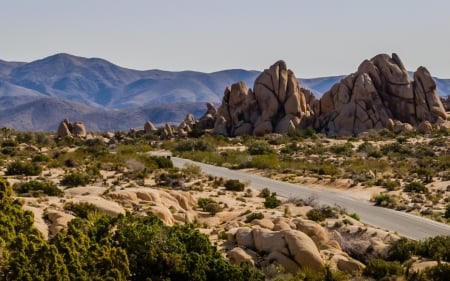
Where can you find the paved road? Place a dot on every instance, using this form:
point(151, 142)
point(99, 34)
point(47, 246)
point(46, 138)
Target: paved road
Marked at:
point(405, 224)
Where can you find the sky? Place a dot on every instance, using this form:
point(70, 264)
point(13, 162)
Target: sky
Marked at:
point(315, 38)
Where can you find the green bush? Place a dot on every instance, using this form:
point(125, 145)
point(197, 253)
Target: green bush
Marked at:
point(259, 148)
point(342, 149)
point(75, 179)
point(272, 201)
point(388, 184)
point(416, 187)
point(35, 186)
point(322, 213)
point(23, 168)
point(315, 215)
point(265, 192)
point(378, 268)
point(447, 212)
point(194, 145)
point(100, 247)
point(402, 250)
point(385, 200)
point(440, 272)
point(82, 209)
point(234, 185)
point(213, 208)
point(253, 216)
point(203, 202)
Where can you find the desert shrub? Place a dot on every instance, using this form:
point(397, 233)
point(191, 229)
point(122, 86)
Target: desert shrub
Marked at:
point(192, 169)
point(213, 208)
point(155, 162)
point(447, 212)
point(385, 200)
point(440, 272)
point(194, 145)
point(202, 202)
point(234, 185)
point(299, 133)
point(75, 179)
point(343, 149)
point(416, 187)
point(322, 213)
point(8, 143)
point(253, 216)
point(388, 184)
point(23, 168)
point(437, 247)
point(396, 148)
point(259, 148)
point(402, 250)
point(265, 192)
point(378, 268)
point(272, 201)
point(35, 186)
point(81, 209)
point(315, 215)
point(325, 168)
point(264, 162)
point(40, 158)
point(354, 216)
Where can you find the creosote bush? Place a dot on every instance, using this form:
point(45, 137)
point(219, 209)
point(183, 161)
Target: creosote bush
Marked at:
point(234, 185)
point(23, 168)
point(272, 201)
point(416, 187)
point(378, 268)
point(75, 179)
point(34, 187)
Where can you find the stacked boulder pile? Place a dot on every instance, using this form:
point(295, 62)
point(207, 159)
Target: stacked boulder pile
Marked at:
point(276, 105)
point(380, 94)
point(68, 129)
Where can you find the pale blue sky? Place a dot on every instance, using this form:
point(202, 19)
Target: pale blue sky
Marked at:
point(315, 38)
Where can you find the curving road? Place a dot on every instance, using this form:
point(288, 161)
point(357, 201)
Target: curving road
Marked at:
point(407, 225)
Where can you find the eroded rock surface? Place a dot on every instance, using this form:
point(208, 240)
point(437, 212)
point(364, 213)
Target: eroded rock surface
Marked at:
point(68, 129)
point(380, 94)
point(377, 95)
point(276, 105)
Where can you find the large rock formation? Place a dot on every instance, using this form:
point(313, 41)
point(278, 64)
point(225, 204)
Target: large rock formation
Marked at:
point(377, 95)
point(276, 105)
point(68, 129)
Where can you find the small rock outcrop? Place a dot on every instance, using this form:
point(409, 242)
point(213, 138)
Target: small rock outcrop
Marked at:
point(378, 94)
point(149, 128)
point(276, 105)
point(67, 129)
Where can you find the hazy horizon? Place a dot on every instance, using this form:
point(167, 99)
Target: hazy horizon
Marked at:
point(316, 39)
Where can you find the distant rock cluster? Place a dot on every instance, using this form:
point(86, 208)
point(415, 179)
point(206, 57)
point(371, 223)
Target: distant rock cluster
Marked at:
point(68, 129)
point(379, 95)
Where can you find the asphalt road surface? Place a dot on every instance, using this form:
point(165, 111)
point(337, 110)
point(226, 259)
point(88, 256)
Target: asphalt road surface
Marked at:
point(406, 225)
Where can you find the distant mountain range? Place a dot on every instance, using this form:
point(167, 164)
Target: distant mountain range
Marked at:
point(38, 95)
